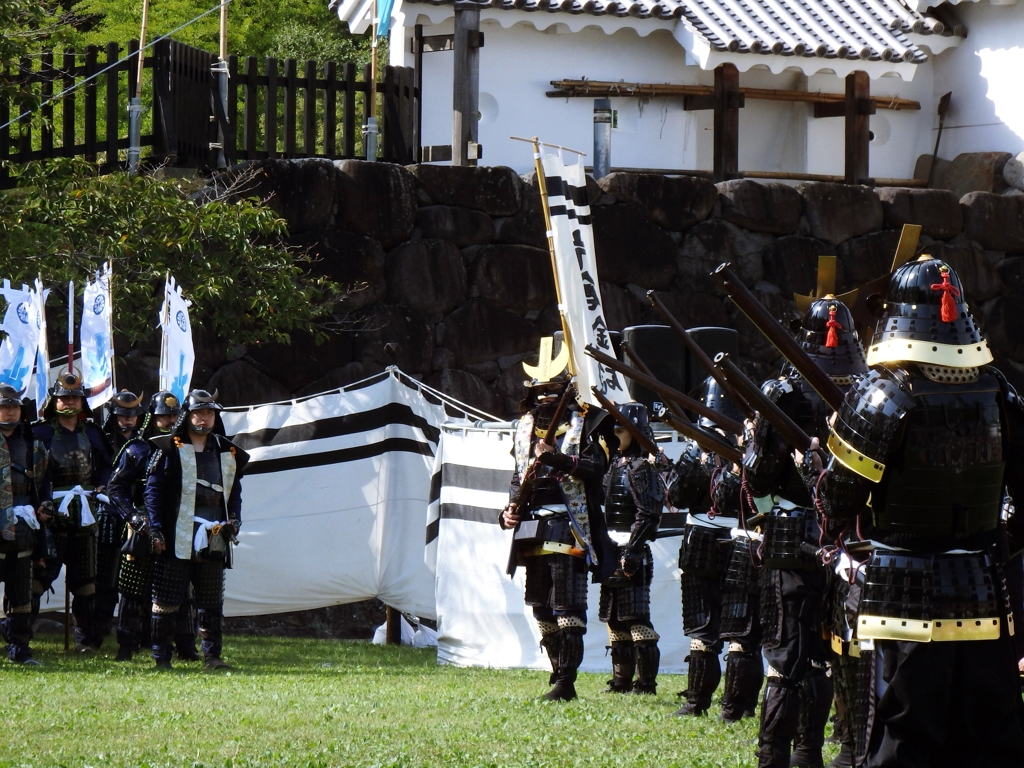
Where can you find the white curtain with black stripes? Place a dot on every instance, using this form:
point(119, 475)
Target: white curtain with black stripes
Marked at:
point(482, 620)
point(333, 498)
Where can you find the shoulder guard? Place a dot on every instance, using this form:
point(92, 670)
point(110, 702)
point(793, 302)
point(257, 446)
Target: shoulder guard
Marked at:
point(163, 443)
point(869, 422)
point(97, 435)
point(241, 456)
point(43, 431)
point(776, 388)
point(691, 477)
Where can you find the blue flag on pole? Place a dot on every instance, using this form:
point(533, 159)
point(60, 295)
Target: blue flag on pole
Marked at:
point(384, 8)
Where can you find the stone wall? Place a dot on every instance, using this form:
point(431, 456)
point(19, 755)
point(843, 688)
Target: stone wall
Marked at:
point(457, 285)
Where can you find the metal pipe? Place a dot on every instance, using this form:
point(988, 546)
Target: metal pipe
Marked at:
point(602, 137)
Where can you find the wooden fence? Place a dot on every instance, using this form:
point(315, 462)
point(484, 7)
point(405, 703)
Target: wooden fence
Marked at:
point(273, 111)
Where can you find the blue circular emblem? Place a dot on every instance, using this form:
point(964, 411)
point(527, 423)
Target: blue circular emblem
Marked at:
point(99, 304)
point(181, 321)
point(23, 312)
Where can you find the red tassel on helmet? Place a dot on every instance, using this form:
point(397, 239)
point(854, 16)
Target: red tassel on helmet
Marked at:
point(947, 308)
point(832, 338)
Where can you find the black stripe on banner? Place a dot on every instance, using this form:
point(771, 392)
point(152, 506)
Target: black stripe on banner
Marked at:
point(341, 456)
point(435, 488)
point(476, 478)
point(364, 421)
point(433, 530)
point(466, 512)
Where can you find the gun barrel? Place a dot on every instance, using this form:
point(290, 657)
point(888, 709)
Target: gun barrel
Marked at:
point(701, 356)
point(750, 392)
point(642, 440)
point(707, 441)
point(772, 329)
point(669, 393)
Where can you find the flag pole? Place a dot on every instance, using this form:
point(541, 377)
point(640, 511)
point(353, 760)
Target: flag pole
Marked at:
point(163, 332)
point(543, 188)
point(71, 327)
point(110, 323)
point(43, 342)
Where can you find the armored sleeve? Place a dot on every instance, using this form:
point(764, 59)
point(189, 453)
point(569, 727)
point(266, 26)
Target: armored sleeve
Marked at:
point(589, 466)
point(154, 494)
point(645, 486)
point(691, 478)
point(867, 433)
point(726, 486)
point(40, 472)
point(121, 487)
point(767, 454)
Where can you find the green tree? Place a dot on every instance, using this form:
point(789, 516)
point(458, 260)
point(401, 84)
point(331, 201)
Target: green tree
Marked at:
point(226, 250)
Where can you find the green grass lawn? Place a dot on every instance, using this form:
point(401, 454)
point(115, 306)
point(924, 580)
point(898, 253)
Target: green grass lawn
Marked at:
point(326, 703)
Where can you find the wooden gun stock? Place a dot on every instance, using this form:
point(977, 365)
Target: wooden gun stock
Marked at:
point(708, 441)
point(669, 393)
point(772, 329)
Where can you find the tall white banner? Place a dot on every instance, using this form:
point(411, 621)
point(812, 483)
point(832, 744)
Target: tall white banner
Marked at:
point(96, 339)
point(42, 377)
point(177, 355)
point(22, 326)
point(576, 274)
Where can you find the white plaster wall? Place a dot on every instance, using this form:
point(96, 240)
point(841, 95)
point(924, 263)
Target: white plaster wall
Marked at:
point(986, 76)
point(517, 65)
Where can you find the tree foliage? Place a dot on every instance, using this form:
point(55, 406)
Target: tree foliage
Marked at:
point(228, 254)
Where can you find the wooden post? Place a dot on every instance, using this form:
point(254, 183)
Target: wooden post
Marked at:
point(727, 122)
point(858, 109)
point(393, 633)
point(466, 85)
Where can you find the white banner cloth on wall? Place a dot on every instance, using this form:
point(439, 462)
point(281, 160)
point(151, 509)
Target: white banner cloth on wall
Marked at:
point(96, 339)
point(482, 620)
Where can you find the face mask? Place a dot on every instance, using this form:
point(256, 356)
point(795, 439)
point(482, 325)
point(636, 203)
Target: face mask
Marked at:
point(200, 430)
point(8, 424)
point(68, 411)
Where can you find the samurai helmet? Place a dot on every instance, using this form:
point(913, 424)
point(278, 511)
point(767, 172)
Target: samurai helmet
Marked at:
point(165, 403)
point(714, 397)
point(127, 404)
point(68, 384)
point(200, 399)
point(10, 396)
point(637, 414)
point(926, 320)
point(826, 333)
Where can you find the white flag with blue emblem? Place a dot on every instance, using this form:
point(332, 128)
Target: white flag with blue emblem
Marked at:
point(42, 377)
point(22, 326)
point(96, 339)
point(177, 355)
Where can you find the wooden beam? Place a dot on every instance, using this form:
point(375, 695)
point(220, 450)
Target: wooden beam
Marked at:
point(596, 89)
point(466, 85)
point(727, 122)
point(858, 133)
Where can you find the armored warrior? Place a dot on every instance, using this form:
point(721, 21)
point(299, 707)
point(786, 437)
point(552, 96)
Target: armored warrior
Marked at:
point(719, 579)
point(632, 509)
point(799, 693)
point(23, 496)
point(79, 467)
point(932, 436)
point(559, 530)
point(120, 427)
point(194, 502)
point(126, 491)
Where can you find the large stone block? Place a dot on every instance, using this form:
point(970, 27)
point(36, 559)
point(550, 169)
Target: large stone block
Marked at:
point(340, 377)
point(1011, 273)
point(754, 346)
point(517, 277)
point(621, 307)
point(791, 263)
point(770, 207)
point(377, 200)
point(426, 275)
point(1013, 171)
point(712, 242)
point(303, 361)
point(302, 192)
point(693, 309)
point(976, 172)
point(936, 210)
point(396, 336)
point(866, 258)
point(674, 203)
point(239, 383)
point(511, 388)
point(525, 227)
point(495, 190)
point(838, 212)
point(353, 261)
point(480, 331)
point(457, 225)
point(1003, 326)
point(978, 275)
point(995, 221)
point(631, 249)
point(467, 388)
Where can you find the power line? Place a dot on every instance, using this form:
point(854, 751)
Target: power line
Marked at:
point(107, 68)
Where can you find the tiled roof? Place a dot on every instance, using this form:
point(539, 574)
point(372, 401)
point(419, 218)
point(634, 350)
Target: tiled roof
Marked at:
point(874, 30)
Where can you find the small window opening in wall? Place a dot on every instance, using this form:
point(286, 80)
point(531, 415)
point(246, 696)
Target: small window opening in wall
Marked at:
point(871, 135)
point(615, 118)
